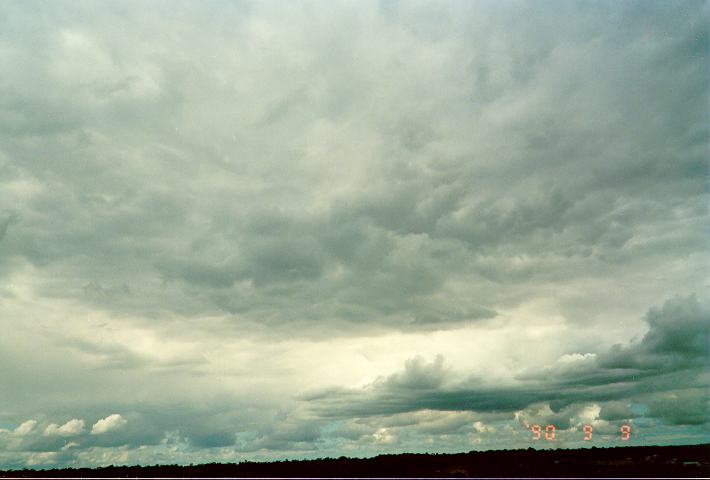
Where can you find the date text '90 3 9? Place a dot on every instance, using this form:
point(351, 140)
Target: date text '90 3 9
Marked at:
point(549, 432)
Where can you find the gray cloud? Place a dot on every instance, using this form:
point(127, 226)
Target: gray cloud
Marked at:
point(263, 201)
point(678, 338)
point(616, 411)
point(574, 379)
point(424, 216)
point(690, 407)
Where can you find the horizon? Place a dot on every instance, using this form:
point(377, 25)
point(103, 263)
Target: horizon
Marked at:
point(674, 461)
point(585, 446)
point(250, 231)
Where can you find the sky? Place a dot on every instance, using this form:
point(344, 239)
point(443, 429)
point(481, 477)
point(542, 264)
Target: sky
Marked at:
point(263, 230)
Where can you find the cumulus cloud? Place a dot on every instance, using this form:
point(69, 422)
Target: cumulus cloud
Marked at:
point(25, 427)
point(74, 426)
point(621, 372)
point(113, 422)
point(481, 427)
point(678, 338)
point(419, 375)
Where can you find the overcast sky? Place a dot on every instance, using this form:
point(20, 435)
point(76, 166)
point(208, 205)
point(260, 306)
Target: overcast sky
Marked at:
point(235, 230)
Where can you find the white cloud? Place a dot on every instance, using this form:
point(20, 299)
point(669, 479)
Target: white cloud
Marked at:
point(72, 427)
point(383, 435)
point(112, 422)
point(481, 427)
point(25, 427)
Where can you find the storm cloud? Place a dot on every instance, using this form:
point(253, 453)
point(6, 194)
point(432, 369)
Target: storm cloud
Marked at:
point(243, 230)
point(585, 378)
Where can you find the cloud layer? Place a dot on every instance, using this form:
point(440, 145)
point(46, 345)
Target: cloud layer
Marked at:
point(253, 230)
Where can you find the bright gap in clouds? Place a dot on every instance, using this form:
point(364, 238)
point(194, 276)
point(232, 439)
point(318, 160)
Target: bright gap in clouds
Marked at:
point(237, 231)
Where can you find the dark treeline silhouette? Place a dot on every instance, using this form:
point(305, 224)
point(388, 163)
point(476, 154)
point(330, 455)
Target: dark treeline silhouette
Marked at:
point(669, 461)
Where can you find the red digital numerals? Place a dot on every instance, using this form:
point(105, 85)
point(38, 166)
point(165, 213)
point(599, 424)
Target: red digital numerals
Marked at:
point(537, 432)
point(588, 431)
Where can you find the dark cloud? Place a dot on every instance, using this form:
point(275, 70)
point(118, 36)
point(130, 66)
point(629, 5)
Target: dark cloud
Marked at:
point(554, 193)
point(603, 378)
point(685, 407)
point(678, 338)
point(207, 211)
point(616, 411)
point(418, 375)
